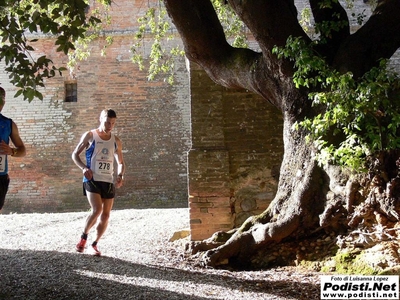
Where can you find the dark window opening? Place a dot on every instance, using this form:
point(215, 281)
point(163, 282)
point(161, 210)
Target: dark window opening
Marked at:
point(71, 91)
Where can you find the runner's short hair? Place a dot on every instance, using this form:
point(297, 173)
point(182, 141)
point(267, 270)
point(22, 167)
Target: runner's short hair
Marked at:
point(108, 113)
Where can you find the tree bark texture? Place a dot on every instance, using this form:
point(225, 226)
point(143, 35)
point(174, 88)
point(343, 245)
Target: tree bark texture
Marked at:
point(301, 203)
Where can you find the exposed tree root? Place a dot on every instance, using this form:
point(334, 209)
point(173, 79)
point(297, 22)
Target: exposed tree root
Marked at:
point(360, 213)
point(242, 245)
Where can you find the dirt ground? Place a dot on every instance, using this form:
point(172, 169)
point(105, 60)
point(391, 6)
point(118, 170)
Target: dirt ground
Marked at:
point(38, 261)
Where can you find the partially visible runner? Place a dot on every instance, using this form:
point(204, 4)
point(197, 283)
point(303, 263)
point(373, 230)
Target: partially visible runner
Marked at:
point(8, 131)
point(102, 147)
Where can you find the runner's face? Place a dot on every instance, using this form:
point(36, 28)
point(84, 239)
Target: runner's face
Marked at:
point(107, 124)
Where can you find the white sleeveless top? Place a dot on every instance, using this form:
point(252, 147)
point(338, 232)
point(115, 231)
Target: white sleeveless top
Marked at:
point(100, 158)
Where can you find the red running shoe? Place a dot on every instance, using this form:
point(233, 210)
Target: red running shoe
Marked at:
point(80, 247)
point(94, 251)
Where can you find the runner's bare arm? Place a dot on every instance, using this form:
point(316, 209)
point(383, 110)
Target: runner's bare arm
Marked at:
point(82, 145)
point(121, 164)
point(19, 150)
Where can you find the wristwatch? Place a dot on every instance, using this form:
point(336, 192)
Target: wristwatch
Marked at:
point(14, 151)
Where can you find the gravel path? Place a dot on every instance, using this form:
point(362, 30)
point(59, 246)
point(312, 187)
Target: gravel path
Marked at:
point(38, 261)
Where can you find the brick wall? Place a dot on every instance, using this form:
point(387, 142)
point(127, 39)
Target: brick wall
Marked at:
point(152, 121)
point(235, 157)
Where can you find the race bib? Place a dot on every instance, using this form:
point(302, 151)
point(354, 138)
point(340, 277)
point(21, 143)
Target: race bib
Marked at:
point(2, 163)
point(104, 164)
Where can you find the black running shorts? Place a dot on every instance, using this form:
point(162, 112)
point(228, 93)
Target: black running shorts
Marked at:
point(105, 189)
point(4, 183)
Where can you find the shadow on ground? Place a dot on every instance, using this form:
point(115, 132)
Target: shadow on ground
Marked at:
point(57, 275)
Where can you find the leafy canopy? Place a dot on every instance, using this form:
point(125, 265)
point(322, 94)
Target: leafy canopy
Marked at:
point(156, 27)
point(20, 24)
point(355, 117)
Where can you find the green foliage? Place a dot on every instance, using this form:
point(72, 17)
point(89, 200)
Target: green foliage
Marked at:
point(354, 117)
point(305, 19)
point(21, 20)
point(234, 28)
point(81, 45)
point(156, 26)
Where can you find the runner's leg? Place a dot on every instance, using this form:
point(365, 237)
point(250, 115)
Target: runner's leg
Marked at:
point(105, 216)
point(96, 204)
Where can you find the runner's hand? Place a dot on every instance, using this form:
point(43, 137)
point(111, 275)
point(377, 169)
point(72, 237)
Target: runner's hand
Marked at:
point(5, 149)
point(87, 173)
point(119, 182)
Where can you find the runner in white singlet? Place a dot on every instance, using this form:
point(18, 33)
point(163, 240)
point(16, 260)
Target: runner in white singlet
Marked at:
point(102, 148)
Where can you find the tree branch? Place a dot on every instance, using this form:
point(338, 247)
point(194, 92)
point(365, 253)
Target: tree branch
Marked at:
point(205, 44)
point(335, 17)
point(199, 27)
point(271, 22)
point(378, 38)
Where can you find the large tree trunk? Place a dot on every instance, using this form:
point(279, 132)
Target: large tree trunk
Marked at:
point(301, 203)
point(295, 211)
